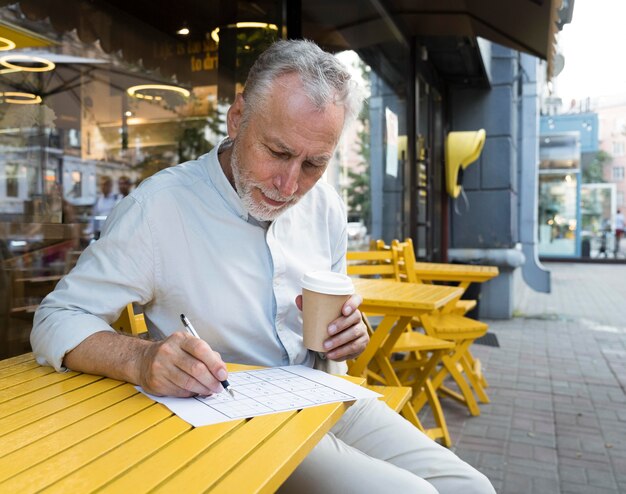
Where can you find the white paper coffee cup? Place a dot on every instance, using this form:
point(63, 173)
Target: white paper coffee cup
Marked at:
point(323, 296)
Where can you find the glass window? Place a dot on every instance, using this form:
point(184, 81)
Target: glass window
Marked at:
point(12, 185)
point(618, 149)
point(618, 173)
point(559, 152)
point(104, 89)
point(596, 216)
point(349, 171)
point(557, 214)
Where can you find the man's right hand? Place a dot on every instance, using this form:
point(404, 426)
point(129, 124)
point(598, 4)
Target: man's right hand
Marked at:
point(181, 365)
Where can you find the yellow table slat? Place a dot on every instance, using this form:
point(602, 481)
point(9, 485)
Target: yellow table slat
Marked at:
point(70, 432)
point(19, 367)
point(102, 470)
point(57, 466)
point(44, 428)
point(454, 272)
point(393, 294)
point(266, 468)
point(44, 382)
point(25, 376)
point(52, 444)
point(51, 406)
point(214, 464)
point(175, 455)
point(38, 396)
point(27, 357)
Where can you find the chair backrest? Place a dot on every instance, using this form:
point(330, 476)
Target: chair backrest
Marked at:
point(404, 258)
point(130, 323)
point(373, 263)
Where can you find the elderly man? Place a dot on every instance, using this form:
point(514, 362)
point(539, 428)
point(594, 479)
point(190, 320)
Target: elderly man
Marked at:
point(225, 239)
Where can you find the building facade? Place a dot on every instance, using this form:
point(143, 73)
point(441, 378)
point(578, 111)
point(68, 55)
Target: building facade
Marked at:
point(612, 128)
point(92, 89)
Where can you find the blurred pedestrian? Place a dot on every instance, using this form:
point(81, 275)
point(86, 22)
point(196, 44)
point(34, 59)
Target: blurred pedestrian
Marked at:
point(619, 230)
point(104, 205)
point(123, 186)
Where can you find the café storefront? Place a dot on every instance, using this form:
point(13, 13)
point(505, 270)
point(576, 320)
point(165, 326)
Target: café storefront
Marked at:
point(95, 89)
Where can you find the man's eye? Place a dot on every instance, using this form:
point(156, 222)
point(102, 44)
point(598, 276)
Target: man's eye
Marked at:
point(279, 155)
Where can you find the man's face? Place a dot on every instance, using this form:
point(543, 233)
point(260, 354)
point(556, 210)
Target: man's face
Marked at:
point(283, 150)
point(106, 186)
point(124, 186)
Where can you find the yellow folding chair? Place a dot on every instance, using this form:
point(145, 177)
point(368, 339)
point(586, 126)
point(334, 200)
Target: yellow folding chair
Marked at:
point(130, 323)
point(460, 307)
point(421, 353)
point(447, 325)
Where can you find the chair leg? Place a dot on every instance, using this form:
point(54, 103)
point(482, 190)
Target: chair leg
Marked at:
point(440, 419)
point(474, 381)
point(409, 413)
point(450, 368)
point(475, 364)
point(466, 390)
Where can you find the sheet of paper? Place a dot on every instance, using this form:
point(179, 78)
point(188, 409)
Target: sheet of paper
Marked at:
point(265, 391)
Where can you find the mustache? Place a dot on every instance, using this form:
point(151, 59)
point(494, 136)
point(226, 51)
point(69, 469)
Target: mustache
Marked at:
point(274, 195)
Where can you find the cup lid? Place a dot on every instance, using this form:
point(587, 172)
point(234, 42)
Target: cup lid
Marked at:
point(328, 282)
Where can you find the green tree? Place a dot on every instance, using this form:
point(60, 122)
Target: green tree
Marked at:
point(593, 173)
point(358, 184)
point(358, 188)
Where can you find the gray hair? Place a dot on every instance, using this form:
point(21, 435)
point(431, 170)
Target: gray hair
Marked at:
point(325, 79)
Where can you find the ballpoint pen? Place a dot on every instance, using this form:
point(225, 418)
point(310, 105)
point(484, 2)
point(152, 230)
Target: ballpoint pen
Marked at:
point(190, 329)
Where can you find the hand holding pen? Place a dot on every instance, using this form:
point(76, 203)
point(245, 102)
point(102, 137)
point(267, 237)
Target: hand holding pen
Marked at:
point(191, 330)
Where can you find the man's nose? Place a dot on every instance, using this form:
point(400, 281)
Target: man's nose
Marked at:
point(287, 180)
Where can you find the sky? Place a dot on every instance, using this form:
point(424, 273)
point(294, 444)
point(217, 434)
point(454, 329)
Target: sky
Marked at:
point(594, 46)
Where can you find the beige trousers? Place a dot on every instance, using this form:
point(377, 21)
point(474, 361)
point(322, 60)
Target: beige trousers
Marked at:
point(372, 449)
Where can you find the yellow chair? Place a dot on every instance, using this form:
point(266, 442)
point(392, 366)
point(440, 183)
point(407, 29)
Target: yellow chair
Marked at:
point(461, 307)
point(421, 353)
point(447, 325)
point(462, 276)
point(130, 323)
point(373, 263)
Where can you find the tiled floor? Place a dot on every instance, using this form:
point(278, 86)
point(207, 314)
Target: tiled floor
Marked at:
point(557, 418)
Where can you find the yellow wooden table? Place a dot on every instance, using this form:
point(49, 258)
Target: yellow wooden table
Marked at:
point(460, 274)
point(463, 274)
point(399, 303)
point(76, 432)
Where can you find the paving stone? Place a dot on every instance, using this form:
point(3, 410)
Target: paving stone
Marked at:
point(568, 488)
point(544, 486)
point(572, 474)
point(599, 478)
point(515, 483)
point(558, 389)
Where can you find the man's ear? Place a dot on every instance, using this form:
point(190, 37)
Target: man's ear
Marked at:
point(234, 116)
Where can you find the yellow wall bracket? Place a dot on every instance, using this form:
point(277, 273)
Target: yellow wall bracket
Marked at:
point(462, 149)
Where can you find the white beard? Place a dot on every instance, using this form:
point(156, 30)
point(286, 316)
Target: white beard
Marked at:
point(245, 186)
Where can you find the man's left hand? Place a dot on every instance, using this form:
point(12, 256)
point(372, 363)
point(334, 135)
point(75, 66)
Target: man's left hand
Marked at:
point(348, 333)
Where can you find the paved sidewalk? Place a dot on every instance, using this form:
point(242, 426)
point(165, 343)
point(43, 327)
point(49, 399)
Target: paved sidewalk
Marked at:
point(557, 418)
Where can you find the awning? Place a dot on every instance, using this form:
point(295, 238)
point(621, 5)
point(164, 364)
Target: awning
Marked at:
point(529, 26)
point(525, 25)
point(22, 38)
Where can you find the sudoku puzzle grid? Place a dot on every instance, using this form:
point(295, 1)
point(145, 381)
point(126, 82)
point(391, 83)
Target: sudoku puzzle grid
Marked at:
point(271, 390)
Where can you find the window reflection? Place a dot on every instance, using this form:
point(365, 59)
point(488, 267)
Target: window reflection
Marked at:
point(69, 116)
